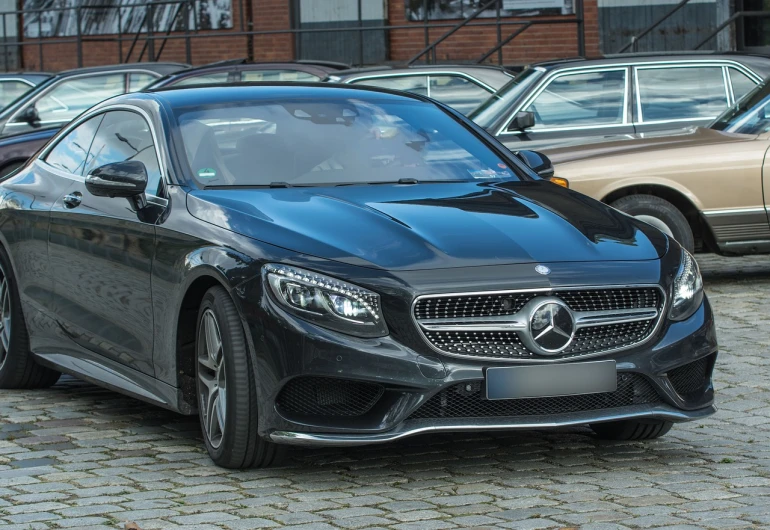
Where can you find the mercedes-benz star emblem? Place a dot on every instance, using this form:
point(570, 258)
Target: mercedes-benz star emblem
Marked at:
point(552, 327)
point(542, 269)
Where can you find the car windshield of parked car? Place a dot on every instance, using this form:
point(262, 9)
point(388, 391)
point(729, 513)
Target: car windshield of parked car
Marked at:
point(325, 141)
point(489, 112)
point(751, 115)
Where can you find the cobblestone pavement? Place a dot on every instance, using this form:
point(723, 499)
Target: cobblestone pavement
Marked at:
point(80, 457)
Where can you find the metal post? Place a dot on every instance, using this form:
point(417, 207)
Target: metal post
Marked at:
point(79, 37)
point(499, 35)
point(250, 29)
point(187, 46)
point(5, 45)
point(120, 34)
point(150, 39)
point(425, 22)
point(581, 28)
point(360, 36)
point(40, 37)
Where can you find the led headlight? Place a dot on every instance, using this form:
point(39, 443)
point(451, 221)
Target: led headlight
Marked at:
point(687, 291)
point(327, 301)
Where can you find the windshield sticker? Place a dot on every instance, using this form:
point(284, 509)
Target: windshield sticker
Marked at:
point(488, 173)
point(207, 173)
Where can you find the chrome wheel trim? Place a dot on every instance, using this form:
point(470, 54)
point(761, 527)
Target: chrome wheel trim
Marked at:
point(5, 318)
point(657, 223)
point(212, 382)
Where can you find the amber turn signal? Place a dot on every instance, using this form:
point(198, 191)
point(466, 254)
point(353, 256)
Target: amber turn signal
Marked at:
point(560, 181)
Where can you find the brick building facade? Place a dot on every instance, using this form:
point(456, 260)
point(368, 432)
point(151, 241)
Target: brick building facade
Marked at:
point(538, 42)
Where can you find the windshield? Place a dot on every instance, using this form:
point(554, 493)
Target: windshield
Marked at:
point(750, 115)
point(489, 112)
point(331, 142)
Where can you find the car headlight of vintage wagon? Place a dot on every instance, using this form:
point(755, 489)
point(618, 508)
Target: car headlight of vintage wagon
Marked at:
point(687, 291)
point(327, 301)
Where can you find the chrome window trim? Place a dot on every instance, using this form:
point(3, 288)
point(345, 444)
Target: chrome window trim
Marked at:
point(734, 211)
point(159, 151)
point(18, 79)
point(728, 86)
point(546, 291)
point(561, 73)
point(353, 80)
point(701, 64)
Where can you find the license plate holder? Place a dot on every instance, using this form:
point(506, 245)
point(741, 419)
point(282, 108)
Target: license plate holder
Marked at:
point(551, 380)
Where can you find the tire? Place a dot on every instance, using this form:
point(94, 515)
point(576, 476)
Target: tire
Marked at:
point(659, 213)
point(223, 368)
point(17, 367)
point(631, 429)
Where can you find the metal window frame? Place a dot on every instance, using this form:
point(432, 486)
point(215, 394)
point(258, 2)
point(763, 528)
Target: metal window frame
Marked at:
point(455, 73)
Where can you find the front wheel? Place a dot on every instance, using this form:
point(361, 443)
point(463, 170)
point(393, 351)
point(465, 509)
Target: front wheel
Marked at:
point(227, 396)
point(659, 213)
point(631, 429)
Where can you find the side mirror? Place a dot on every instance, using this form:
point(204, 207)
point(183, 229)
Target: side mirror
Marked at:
point(522, 121)
point(120, 179)
point(29, 115)
point(537, 162)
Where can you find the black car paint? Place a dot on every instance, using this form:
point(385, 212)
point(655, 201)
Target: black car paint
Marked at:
point(115, 300)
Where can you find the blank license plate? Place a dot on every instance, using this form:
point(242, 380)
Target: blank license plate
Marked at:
point(551, 380)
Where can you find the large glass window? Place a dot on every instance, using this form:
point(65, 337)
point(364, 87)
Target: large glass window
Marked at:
point(122, 136)
point(70, 152)
point(71, 97)
point(457, 92)
point(742, 83)
point(279, 75)
point(581, 99)
point(301, 142)
point(672, 93)
point(139, 80)
point(204, 79)
point(416, 84)
point(12, 90)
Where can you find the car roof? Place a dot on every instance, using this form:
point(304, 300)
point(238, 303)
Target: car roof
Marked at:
point(26, 75)
point(624, 58)
point(394, 68)
point(158, 68)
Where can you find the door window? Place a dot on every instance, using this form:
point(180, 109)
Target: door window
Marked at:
point(581, 99)
point(139, 80)
point(215, 78)
point(416, 84)
point(741, 83)
point(70, 152)
point(125, 135)
point(681, 93)
point(71, 97)
point(11, 90)
point(279, 75)
point(458, 92)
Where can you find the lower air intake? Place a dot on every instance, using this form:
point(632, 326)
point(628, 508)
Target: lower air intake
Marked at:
point(690, 377)
point(328, 397)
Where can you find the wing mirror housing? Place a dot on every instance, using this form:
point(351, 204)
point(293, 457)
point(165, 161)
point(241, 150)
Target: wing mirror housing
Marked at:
point(537, 162)
point(120, 179)
point(29, 115)
point(522, 121)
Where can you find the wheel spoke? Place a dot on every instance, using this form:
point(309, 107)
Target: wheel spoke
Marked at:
point(212, 422)
point(211, 379)
point(213, 340)
point(5, 318)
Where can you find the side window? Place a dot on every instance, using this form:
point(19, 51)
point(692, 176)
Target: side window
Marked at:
point(457, 92)
point(219, 77)
point(279, 75)
point(741, 83)
point(71, 97)
point(10, 90)
point(125, 135)
point(70, 152)
point(574, 100)
point(139, 80)
point(416, 84)
point(699, 94)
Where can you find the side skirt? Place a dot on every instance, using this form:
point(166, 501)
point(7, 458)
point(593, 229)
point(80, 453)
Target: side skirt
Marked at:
point(115, 376)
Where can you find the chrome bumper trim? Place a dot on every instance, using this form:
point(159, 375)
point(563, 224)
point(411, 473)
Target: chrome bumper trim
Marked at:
point(415, 427)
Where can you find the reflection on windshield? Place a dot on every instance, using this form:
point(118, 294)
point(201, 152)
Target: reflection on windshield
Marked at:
point(750, 115)
point(500, 102)
point(301, 142)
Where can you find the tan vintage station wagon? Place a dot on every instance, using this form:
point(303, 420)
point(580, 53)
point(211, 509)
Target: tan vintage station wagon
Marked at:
point(707, 187)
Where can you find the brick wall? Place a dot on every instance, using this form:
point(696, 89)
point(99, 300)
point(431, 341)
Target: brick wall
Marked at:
point(536, 43)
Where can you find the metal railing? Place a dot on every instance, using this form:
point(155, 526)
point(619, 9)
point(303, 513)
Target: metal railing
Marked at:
point(153, 39)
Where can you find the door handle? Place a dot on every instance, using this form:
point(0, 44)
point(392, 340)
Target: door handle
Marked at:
point(73, 200)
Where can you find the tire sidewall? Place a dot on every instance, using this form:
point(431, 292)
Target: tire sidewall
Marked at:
point(17, 320)
point(661, 209)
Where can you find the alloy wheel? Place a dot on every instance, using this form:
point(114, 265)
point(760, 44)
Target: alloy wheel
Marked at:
point(212, 382)
point(5, 317)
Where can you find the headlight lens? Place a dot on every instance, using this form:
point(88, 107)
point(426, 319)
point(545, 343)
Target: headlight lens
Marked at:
point(687, 292)
point(327, 301)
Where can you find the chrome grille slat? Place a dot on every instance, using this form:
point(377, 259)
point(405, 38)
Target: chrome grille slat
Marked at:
point(474, 325)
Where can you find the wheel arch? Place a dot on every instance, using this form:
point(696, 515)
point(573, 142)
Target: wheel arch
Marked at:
point(704, 237)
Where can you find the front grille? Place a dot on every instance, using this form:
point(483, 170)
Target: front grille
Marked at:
point(690, 377)
point(507, 344)
point(328, 397)
point(459, 402)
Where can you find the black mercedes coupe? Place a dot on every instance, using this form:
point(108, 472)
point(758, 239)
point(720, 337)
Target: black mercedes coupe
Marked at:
point(328, 265)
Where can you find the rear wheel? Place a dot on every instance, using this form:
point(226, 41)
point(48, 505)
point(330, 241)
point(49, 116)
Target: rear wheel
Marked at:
point(631, 429)
point(659, 213)
point(227, 397)
point(17, 367)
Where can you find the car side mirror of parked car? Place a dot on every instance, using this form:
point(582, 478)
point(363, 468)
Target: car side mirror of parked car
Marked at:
point(537, 162)
point(522, 121)
point(120, 179)
point(29, 115)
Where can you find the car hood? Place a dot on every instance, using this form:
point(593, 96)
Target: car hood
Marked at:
point(643, 146)
point(425, 226)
